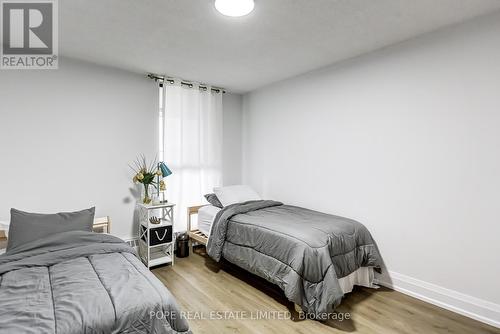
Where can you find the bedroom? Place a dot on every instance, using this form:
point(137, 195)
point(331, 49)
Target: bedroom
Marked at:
point(386, 113)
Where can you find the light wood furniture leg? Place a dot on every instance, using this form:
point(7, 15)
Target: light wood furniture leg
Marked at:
point(297, 308)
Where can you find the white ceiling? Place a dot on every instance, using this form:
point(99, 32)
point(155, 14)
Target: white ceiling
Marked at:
point(279, 39)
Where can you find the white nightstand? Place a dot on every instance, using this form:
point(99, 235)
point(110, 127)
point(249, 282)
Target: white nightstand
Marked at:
point(156, 241)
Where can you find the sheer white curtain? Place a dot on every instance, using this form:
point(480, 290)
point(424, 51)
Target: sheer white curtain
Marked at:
point(192, 145)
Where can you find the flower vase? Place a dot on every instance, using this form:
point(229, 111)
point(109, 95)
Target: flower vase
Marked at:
point(146, 198)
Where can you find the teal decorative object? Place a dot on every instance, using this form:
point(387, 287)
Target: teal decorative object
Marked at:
point(165, 171)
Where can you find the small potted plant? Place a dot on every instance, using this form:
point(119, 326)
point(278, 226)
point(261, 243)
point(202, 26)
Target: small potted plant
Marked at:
point(150, 176)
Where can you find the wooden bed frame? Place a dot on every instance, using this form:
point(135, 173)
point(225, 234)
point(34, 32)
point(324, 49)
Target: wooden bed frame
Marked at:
point(103, 224)
point(3, 241)
point(195, 234)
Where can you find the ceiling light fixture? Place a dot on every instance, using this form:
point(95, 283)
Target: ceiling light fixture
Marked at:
point(234, 8)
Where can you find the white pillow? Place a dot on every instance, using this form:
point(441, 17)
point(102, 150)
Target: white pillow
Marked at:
point(236, 194)
point(5, 227)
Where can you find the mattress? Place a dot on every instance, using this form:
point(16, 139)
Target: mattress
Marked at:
point(206, 217)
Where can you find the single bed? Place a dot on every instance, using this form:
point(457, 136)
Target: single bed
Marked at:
point(362, 276)
point(83, 282)
point(315, 258)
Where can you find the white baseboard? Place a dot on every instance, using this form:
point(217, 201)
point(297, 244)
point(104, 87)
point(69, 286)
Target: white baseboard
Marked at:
point(454, 301)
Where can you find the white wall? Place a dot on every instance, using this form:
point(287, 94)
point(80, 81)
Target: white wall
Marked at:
point(68, 135)
point(405, 140)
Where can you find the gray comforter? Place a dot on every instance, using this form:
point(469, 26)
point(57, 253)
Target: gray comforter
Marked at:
point(302, 251)
point(82, 282)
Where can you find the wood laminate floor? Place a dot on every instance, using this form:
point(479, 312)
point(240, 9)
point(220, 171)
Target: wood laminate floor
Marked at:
point(205, 289)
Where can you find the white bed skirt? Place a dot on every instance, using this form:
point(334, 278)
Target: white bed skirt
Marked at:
point(364, 276)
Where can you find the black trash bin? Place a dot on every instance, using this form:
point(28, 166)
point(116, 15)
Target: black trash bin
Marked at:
point(183, 245)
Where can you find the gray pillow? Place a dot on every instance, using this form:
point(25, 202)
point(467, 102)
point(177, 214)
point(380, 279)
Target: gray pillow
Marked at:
point(26, 227)
point(212, 199)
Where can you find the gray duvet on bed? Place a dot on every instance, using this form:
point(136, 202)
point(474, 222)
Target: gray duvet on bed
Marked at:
point(82, 282)
point(302, 251)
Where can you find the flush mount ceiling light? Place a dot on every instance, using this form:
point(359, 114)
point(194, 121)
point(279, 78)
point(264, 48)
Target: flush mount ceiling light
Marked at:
point(234, 7)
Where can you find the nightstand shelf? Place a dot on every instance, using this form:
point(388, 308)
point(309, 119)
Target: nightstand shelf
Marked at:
point(158, 254)
point(156, 241)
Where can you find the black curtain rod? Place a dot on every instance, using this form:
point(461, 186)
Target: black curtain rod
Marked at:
point(184, 83)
